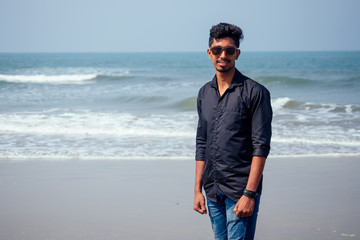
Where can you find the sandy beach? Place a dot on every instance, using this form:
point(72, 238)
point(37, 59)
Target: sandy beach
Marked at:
point(303, 198)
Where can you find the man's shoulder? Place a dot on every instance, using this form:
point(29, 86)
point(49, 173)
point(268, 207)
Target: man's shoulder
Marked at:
point(206, 87)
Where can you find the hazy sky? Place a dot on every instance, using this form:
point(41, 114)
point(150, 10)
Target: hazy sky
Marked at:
point(183, 25)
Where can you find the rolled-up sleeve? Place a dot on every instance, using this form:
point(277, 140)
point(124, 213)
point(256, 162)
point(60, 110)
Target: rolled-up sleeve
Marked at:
point(261, 122)
point(201, 133)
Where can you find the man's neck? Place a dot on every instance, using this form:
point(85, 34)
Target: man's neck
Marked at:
point(224, 80)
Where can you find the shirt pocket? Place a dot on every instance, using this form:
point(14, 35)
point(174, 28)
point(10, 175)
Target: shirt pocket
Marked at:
point(237, 121)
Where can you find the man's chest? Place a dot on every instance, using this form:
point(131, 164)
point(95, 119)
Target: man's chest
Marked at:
point(215, 107)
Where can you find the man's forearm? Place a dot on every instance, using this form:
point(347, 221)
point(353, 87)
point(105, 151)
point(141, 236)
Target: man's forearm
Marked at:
point(245, 206)
point(199, 169)
point(199, 199)
point(256, 171)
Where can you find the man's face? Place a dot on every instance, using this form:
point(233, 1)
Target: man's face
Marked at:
point(223, 62)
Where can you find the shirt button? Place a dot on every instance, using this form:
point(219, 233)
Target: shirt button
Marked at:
point(216, 118)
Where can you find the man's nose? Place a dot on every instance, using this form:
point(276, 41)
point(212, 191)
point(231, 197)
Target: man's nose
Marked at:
point(223, 54)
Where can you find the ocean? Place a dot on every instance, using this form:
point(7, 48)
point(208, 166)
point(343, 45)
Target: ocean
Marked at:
point(130, 106)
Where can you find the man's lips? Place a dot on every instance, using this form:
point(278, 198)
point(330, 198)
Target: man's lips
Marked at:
point(223, 63)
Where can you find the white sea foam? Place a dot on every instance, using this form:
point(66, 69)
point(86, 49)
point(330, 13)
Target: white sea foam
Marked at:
point(107, 124)
point(316, 141)
point(41, 78)
point(63, 134)
point(54, 134)
point(89, 135)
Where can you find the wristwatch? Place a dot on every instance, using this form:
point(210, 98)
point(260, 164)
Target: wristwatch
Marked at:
point(249, 194)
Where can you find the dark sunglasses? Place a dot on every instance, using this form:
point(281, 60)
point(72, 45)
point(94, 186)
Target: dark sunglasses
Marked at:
point(219, 50)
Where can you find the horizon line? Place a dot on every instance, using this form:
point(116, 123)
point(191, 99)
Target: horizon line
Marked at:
point(243, 51)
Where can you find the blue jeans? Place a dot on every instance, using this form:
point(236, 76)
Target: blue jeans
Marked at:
point(226, 225)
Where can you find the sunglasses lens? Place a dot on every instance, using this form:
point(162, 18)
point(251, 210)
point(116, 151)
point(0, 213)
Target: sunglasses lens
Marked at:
point(230, 51)
point(216, 50)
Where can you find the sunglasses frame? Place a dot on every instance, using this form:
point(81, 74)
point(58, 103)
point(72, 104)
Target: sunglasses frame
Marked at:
point(224, 49)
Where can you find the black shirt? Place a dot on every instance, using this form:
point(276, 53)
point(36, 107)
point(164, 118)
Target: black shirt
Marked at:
point(231, 130)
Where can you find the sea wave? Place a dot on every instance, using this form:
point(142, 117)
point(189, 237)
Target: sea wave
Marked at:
point(312, 80)
point(142, 99)
point(65, 75)
point(41, 78)
point(113, 77)
point(98, 124)
point(188, 104)
point(98, 135)
point(281, 104)
point(316, 141)
point(350, 82)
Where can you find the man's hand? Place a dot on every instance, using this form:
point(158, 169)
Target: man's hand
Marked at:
point(199, 203)
point(244, 207)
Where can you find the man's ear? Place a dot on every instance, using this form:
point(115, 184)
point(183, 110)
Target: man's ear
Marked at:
point(209, 53)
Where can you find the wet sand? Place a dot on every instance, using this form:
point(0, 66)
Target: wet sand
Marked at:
point(303, 198)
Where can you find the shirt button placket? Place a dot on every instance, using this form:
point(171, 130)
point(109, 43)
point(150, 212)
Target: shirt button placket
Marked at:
point(216, 153)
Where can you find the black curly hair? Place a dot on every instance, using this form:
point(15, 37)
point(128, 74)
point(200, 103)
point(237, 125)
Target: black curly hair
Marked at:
point(223, 30)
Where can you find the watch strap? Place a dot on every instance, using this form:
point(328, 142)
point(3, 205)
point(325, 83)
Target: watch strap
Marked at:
point(249, 194)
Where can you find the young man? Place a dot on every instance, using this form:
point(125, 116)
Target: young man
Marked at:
point(232, 142)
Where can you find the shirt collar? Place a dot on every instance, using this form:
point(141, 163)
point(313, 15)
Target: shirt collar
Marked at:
point(237, 80)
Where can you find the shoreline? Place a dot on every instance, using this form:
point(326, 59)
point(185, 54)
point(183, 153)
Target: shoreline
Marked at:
point(162, 158)
point(146, 199)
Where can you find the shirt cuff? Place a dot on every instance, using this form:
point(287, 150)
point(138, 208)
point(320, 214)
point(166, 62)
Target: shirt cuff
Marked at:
point(261, 152)
point(199, 157)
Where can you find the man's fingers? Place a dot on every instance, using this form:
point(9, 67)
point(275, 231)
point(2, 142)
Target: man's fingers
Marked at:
point(204, 211)
point(242, 214)
point(199, 203)
point(236, 208)
point(203, 208)
point(200, 208)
